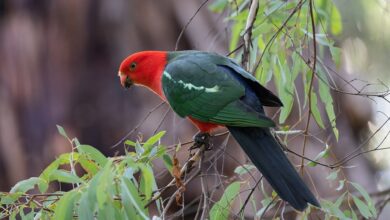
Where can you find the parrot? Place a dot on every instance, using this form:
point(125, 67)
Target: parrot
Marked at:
point(214, 91)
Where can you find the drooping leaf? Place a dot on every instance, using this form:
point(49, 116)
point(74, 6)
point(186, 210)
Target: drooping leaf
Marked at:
point(341, 185)
point(335, 21)
point(333, 209)
point(65, 206)
point(363, 208)
point(221, 209)
point(130, 195)
point(266, 202)
point(105, 185)
point(322, 154)
point(218, 6)
point(240, 170)
point(315, 110)
point(88, 165)
point(86, 207)
point(28, 184)
point(65, 176)
point(130, 143)
point(366, 196)
point(9, 198)
point(168, 162)
point(333, 175)
point(148, 183)
point(93, 153)
point(327, 99)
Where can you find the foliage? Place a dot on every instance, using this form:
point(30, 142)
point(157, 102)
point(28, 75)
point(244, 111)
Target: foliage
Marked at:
point(100, 187)
point(123, 187)
point(284, 50)
point(281, 41)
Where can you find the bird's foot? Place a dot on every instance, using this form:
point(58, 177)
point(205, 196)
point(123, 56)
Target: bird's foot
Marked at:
point(201, 139)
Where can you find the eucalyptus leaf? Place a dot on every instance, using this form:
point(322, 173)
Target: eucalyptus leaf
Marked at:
point(221, 209)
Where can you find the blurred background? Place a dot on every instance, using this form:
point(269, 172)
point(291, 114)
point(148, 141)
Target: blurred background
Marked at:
point(59, 61)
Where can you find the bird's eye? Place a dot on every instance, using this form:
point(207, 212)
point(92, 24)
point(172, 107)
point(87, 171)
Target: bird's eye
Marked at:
point(133, 65)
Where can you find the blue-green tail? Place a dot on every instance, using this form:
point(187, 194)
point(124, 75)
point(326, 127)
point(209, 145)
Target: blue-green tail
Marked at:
point(267, 155)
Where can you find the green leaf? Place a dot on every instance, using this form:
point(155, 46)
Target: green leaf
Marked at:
point(236, 29)
point(322, 154)
point(333, 209)
point(28, 184)
point(218, 6)
point(139, 149)
point(341, 185)
point(131, 197)
point(92, 191)
point(240, 170)
point(327, 99)
point(168, 162)
point(154, 139)
point(333, 175)
point(61, 160)
point(266, 203)
point(335, 21)
point(9, 198)
point(178, 147)
point(65, 206)
point(148, 183)
point(366, 197)
point(88, 165)
point(85, 209)
point(130, 143)
point(336, 54)
point(107, 211)
point(65, 176)
point(62, 132)
point(315, 111)
point(104, 187)
point(28, 216)
point(340, 200)
point(363, 208)
point(221, 209)
point(285, 85)
point(93, 153)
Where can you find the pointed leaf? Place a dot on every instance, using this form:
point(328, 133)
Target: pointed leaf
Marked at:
point(363, 208)
point(65, 206)
point(221, 209)
point(93, 153)
point(62, 132)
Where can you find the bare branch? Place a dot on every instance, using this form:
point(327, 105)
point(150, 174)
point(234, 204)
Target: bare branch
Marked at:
point(248, 32)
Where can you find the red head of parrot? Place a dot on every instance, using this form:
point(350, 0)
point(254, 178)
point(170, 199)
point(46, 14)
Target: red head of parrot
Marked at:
point(144, 68)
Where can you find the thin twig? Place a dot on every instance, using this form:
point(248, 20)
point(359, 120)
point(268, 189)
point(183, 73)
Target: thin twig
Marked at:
point(248, 33)
point(268, 206)
point(269, 43)
point(138, 125)
point(204, 189)
point(162, 120)
point(313, 70)
point(249, 196)
point(188, 23)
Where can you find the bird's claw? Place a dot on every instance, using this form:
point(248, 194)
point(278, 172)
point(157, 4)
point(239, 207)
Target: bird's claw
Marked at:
point(201, 139)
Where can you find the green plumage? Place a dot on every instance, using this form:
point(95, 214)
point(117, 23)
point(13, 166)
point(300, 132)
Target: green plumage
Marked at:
point(212, 88)
point(195, 86)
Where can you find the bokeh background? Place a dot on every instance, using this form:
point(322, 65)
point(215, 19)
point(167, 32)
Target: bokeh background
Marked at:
point(59, 61)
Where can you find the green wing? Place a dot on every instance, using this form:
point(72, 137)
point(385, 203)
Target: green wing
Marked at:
point(196, 87)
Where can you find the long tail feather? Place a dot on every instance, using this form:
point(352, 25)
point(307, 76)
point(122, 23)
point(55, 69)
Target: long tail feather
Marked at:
point(267, 155)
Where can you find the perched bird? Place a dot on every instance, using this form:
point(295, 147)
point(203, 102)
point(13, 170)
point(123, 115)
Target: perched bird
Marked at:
point(212, 90)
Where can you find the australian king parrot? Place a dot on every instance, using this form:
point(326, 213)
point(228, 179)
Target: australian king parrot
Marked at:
point(211, 91)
